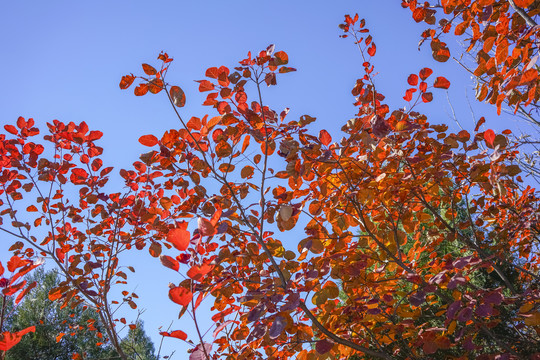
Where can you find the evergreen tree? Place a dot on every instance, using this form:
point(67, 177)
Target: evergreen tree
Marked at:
point(80, 325)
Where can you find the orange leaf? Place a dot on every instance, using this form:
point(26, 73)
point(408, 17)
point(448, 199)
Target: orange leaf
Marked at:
point(126, 81)
point(24, 292)
point(149, 69)
point(325, 137)
point(419, 14)
point(281, 58)
point(179, 334)
point(213, 122)
point(212, 72)
point(179, 238)
point(523, 3)
point(148, 140)
point(55, 294)
point(245, 143)
point(9, 340)
point(155, 86)
point(205, 85)
point(141, 90)
point(479, 123)
point(155, 249)
point(441, 83)
point(16, 262)
point(489, 136)
point(180, 295)
point(217, 215)
point(177, 95)
point(501, 53)
point(198, 272)
point(169, 262)
point(409, 94)
point(59, 337)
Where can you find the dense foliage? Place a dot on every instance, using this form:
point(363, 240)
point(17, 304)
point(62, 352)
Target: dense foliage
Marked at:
point(401, 240)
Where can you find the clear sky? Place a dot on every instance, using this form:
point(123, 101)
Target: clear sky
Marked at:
point(64, 59)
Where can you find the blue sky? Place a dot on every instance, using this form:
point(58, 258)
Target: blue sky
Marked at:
point(64, 59)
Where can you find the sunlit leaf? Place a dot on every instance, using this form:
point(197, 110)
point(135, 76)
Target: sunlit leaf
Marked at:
point(180, 295)
point(441, 83)
point(177, 95)
point(179, 238)
point(148, 140)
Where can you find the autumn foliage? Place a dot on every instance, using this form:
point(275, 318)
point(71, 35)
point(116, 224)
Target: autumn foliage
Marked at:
point(399, 240)
point(502, 36)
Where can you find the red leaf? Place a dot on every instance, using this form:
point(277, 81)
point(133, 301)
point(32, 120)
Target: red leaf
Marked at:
point(179, 334)
point(141, 90)
point(149, 69)
point(24, 292)
point(198, 272)
point(212, 72)
point(441, 83)
point(372, 50)
point(169, 262)
point(325, 137)
point(148, 140)
point(217, 215)
point(9, 340)
point(205, 85)
point(11, 129)
point(479, 123)
point(78, 176)
point(180, 295)
point(424, 73)
point(489, 136)
point(501, 52)
point(205, 227)
point(155, 86)
point(16, 262)
point(10, 290)
point(408, 94)
point(21, 122)
point(94, 135)
point(427, 97)
point(60, 254)
point(1, 269)
point(419, 14)
point(126, 81)
point(524, 3)
point(177, 95)
point(179, 237)
point(412, 80)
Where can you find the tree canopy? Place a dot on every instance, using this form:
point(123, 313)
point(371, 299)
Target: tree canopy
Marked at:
point(402, 239)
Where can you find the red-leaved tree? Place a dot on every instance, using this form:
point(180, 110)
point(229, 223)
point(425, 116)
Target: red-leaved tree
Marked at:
point(401, 240)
